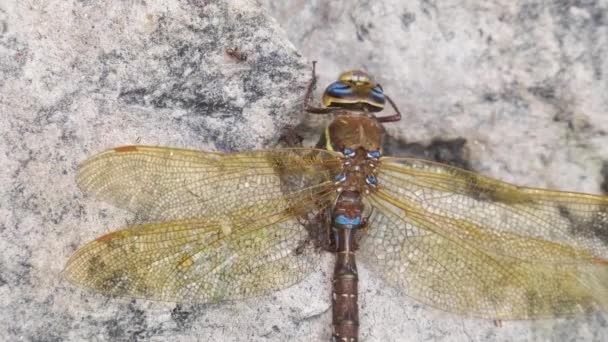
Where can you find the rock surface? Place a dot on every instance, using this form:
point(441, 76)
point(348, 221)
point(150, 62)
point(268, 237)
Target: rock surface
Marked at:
point(80, 77)
point(524, 83)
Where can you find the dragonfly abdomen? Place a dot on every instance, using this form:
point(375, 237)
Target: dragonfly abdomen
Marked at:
point(346, 219)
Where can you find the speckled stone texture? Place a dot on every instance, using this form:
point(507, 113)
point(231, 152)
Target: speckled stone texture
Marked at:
point(80, 77)
point(513, 89)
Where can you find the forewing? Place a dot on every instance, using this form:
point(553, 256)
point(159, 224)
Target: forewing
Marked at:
point(199, 260)
point(519, 222)
point(161, 183)
point(469, 244)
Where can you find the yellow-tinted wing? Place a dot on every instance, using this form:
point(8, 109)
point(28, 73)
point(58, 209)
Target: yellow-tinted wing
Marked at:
point(196, 260)
point(234, 228)
point(162, 183)
point(511, 218)
point(466, 243)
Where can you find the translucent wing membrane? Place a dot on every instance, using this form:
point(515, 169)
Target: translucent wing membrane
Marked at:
point(466, 243)
point(512, 218)
point(455, 240)
point(161, 183)
point(196, 260)
point(234, 226)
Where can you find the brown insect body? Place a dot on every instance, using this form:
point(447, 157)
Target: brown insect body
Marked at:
point(358, 134)
point(345, 309)
point(355, 136)
point(354, 131)
point(238, 225)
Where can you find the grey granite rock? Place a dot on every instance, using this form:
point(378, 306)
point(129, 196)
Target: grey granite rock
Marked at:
point(79, 77)
point(523, 82)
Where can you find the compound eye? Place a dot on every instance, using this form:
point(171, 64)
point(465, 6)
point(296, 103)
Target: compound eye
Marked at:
point(348, 152)
point(373, 154)
point(371, 180)
point(339, 89)
point(378, 94)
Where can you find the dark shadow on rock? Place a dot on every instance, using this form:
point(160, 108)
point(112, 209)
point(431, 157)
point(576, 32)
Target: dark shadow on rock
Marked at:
point(447, 151)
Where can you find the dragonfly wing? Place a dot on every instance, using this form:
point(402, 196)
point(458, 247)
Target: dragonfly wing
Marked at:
point(469, 244)
point(411, 253)
point(199, 260)
point(502, 218)
point(162, 183)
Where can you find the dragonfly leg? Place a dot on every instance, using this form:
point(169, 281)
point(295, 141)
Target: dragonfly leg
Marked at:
point(393, 117)
point(308, 105)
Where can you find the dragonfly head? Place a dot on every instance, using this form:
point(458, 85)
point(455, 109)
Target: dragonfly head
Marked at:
point(354, 90)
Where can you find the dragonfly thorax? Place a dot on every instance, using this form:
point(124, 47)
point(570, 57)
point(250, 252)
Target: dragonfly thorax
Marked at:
point(359, 139)
point(358, 172)
point(353, 131)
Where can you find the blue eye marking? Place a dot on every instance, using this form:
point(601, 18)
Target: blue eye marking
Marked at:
point(371, 180)
point(373, 154)
point(339, 89)
point(341, 219)
point(378, 92)
point(377, 95)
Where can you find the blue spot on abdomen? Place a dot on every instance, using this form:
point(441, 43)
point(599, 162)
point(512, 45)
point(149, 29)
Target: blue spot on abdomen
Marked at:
point(341, 219)
point(373, 154)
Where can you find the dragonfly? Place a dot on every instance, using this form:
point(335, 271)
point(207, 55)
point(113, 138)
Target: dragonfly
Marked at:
point(229, 226)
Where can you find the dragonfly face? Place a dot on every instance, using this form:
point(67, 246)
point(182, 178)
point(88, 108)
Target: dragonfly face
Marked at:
point(354, 90)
